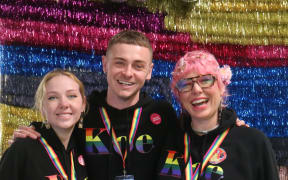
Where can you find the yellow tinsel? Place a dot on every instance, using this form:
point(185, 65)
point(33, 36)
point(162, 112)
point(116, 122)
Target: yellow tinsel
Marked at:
point(277, 18)
point(244, 22)
point(174, 7)
point(241, 6)
point(11, 117)
point(218, 27)
point(240, 40)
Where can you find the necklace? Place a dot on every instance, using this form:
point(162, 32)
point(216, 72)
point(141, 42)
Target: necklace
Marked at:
point(205, 131)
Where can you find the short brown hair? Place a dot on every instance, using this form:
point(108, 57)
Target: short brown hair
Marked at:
point(42, 86)
point(130, 37)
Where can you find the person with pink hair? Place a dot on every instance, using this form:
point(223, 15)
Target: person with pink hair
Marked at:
point(212, 146)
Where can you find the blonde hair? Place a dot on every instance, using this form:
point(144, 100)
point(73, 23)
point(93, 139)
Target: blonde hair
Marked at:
point(41, 90)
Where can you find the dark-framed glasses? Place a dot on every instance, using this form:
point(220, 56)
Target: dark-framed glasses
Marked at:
point(187, 84)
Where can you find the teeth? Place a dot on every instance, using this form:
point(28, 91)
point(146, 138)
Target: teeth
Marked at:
point(124, 82)
point(200, 101)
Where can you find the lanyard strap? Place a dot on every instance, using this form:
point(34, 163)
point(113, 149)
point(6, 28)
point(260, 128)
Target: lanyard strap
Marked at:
point(133, 130)
point(56, 162)
point(189, 169)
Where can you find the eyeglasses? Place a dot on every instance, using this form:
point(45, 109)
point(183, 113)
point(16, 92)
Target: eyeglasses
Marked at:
point(204, 81)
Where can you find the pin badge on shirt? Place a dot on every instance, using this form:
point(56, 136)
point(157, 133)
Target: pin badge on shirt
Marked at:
point(81, 160)
point(219, 156)
point(155, 118)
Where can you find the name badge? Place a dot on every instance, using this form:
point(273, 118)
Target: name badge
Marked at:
point(125, 177)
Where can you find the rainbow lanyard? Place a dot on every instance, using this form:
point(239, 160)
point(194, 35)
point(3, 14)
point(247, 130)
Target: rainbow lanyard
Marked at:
point(56, 162)
point(134, 126)
point(189, 169)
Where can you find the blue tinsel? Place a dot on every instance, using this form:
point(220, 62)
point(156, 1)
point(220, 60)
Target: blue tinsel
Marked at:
point(259, 95)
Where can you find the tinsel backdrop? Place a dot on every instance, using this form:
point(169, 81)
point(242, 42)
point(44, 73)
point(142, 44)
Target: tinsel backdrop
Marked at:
point(37, 36)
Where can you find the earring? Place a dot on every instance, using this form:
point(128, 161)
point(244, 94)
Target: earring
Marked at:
point(219, 113)
point(80, 124)
point(47, 125)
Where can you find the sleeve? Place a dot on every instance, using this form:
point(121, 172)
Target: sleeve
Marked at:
point(168, 167)
point(267, 162)
point(173, 127)
point(13, 162)
point(38, 126)
point(171, 115)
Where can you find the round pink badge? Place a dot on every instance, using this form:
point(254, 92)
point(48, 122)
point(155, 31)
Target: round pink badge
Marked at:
point(219, 156)
point(81, 160)
point(155, 118)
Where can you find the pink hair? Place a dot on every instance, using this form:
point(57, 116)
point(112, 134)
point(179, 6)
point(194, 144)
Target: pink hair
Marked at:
point(201, 62)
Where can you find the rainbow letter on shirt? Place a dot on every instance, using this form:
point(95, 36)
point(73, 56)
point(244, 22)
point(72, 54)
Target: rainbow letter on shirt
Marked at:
point(95, 142)
point(171, 166)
